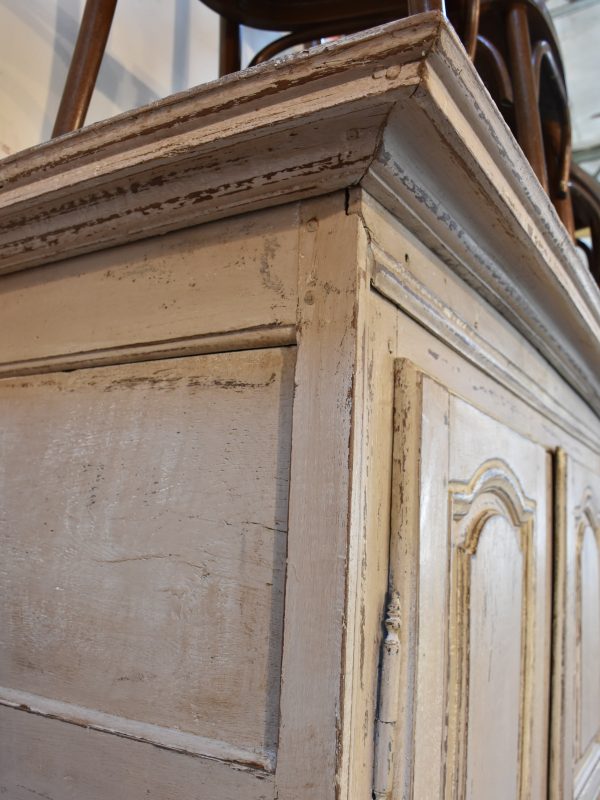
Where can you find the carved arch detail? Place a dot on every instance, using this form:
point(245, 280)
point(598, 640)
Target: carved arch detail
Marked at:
point(493, 490)
point(587, 518)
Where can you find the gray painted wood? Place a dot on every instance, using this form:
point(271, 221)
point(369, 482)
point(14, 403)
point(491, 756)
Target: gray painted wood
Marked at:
point(48, 759)
point(145, 532)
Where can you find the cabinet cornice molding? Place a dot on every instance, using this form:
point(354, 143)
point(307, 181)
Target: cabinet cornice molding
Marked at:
point(398, 110)
point(292, 128)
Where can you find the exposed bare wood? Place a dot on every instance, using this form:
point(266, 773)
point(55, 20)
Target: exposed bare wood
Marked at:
point(192, 157)
point(559, 774)
point(387, 706)
point(369, 543)
point(500, 209)
point(353, 112)
point(482, 640)
point(575, 754)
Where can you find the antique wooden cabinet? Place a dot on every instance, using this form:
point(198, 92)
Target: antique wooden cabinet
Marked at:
point(299, 447)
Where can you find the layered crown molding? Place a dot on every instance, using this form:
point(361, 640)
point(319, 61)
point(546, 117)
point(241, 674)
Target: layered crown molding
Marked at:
point(398, 110)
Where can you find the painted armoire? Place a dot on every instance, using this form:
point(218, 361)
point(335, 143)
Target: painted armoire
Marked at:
point(299, 447)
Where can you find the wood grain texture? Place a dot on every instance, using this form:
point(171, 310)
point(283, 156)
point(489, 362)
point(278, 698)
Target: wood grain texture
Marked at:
point(424, 556)
point(314, 668)
point(492, 607)
point(231, 277)
point(354, 112)
point(543, 288)
point(144, 523)
point(314, 121)
point(49, 759)
point(496, 647)
point(575, 754)
point(469, 621)
point(368, 556)
point(167, 610)
point(519, 474)
point(400, 336)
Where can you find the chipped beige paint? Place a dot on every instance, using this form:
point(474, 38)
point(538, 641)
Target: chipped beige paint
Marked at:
point(399, 110)
point(183, 290)
point(155, 551)
point(575, 755)
point(479, 289)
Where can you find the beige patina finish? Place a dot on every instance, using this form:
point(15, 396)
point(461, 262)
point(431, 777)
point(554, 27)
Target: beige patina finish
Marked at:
point(300, 447)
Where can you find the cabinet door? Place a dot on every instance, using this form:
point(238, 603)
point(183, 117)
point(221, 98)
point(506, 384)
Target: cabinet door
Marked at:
point(470, 558)
point(144, 536)
point(576, 685)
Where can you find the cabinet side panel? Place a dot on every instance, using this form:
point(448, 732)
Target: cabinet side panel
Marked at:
point(47, 758)
point(144, 527)
point(432, 601)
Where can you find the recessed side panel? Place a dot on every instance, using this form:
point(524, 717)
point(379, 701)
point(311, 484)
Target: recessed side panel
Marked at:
point(144, 535)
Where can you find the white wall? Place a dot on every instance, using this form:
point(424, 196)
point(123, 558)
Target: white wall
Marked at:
point(156, 47)
point(578, 28)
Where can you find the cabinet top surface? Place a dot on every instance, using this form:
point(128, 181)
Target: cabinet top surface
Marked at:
point(398, 110)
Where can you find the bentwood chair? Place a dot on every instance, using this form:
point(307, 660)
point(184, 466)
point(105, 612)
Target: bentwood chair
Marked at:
point(306, 20)
point(518, 58)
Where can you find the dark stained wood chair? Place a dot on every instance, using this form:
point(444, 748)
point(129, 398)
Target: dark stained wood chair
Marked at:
point(85, 64)
point(306, 20)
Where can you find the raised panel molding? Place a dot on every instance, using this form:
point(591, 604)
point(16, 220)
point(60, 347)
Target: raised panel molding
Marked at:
point(160, 736)
point(575, 743)
point(587, 670)
point(494, 492)
point(144, 532)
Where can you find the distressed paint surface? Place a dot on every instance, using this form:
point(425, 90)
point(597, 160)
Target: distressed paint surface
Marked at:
point(313, 123)
point(144, 526)
point(575, 755)
point(44, 758)
point(495, 669)
point(479, 288)
point(213, 279)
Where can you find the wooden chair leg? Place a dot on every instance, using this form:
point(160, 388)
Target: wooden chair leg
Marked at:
point(229, 47)
point(529, 126)
point(85, 63)
point(558, 160)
